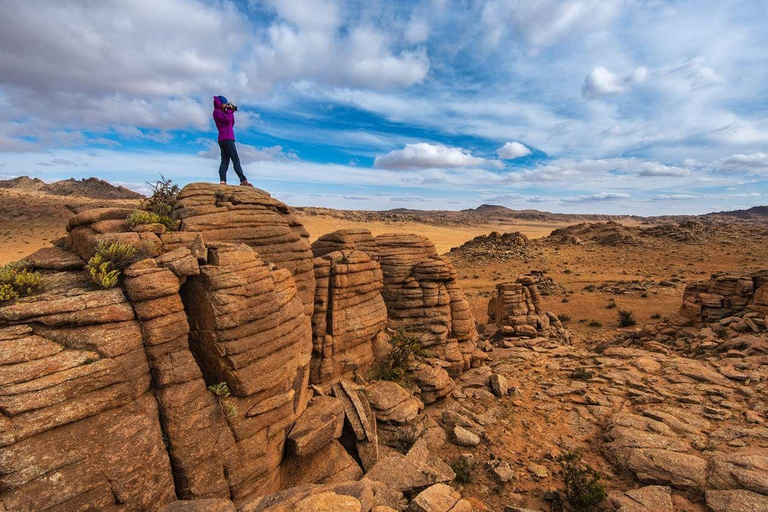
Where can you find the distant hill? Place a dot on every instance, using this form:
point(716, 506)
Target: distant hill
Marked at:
point(92, 188)
point(754, 213)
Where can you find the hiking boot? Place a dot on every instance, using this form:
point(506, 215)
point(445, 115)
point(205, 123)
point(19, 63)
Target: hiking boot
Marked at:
point(222, 183)
point(245, 184)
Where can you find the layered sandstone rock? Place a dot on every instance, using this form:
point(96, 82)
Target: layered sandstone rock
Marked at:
point(90, 227)
point(248, 330)
point(420, 291)
point(725, 313)
point(79, 421)
point(723, 296)
point(346, 239)
point(190, 379)
point(516, 311)
point(250, 216)
point(349, 314)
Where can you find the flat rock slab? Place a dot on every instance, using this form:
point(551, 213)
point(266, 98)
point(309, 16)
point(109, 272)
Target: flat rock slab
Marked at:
point(54, 258)
point(210, 505)
point(321, 423)
point(736, 501)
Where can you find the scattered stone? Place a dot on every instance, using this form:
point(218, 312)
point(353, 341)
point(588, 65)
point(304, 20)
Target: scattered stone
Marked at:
point(439, 498)
point(464, 437)
point(391, 402)
point(499, 385)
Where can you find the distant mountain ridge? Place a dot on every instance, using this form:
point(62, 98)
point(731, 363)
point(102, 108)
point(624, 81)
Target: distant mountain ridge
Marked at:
point(92, 188)
point(755, 213)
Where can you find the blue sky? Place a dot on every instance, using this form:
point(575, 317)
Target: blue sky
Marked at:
point(597, 106)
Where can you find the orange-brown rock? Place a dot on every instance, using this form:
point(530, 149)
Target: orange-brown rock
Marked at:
point(79, 427)
point(250, 216)
point(516, 310)
point(349, 314)
point(346, 239)
point(420, 291)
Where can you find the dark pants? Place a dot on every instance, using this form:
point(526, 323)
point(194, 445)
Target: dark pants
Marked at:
point(229, 152)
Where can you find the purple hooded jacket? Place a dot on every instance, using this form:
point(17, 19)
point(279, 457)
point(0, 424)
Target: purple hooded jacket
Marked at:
point(225, 121)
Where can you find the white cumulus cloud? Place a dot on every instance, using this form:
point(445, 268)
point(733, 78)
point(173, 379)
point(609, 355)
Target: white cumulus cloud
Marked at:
point(602, 81)
point(512, 150)
point(423, 155)
point(599, 197)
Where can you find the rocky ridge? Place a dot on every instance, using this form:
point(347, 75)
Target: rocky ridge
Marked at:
point(204, 375)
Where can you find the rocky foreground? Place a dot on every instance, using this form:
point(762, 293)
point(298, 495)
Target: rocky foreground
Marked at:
point(234, 368)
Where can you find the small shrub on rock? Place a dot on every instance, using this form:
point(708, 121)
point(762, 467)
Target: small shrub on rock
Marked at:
point(164, 197)
point(139, 217)
point(582, 487)
point(108, 261)
point(17, 280)
point(463, 467)
point(564, 317)
point(626, 318)
point(395, 366)
point(221, 390)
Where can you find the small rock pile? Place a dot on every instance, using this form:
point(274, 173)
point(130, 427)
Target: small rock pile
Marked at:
point(689, 231)
point(494, 246)
point(609, 233)
point(516, 312)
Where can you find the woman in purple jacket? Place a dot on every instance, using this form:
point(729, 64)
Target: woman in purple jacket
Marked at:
point(224, 117)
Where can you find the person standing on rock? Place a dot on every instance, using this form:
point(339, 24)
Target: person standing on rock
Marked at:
point(224, 117)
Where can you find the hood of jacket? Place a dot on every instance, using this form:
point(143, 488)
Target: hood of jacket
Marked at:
point(216, 103)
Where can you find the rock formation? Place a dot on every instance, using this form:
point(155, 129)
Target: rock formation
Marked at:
point(349, 314)
point(722, 313)
point(516, 311)
point(251, 216)
point(191, 379)
point(420, 292)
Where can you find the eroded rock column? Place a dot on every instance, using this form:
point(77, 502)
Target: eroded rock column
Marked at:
point(349, 314)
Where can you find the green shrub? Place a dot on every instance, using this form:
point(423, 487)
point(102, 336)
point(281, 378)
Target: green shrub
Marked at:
point(395, 366)
point(581, 374)
point(463, 467)
point(626, 318)
point(164, 197)
point(108, 261)
point(656, 316)
point(594, 323)
point(611, 304)
point(139, 217)
point(17, 280)
point(221, 390)
point(564, 317)
point(582, 487)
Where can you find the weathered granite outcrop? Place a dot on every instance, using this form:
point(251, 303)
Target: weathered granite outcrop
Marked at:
point(79, 426)
point(191, 379)
point(349, 314)
point(420, 291)
point(251, 216)
point(724, 313)
point(516, 311)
